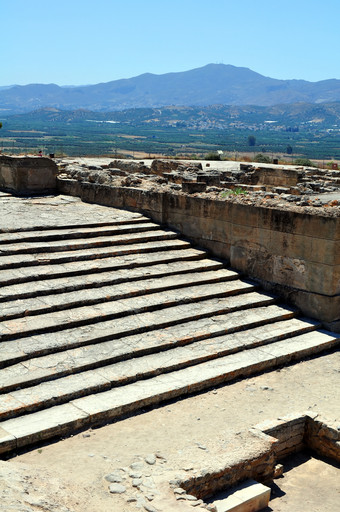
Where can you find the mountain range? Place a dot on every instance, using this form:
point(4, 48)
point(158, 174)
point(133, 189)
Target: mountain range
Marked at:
point(213, 84)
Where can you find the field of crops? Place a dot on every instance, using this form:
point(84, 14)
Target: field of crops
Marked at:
point(75, 137)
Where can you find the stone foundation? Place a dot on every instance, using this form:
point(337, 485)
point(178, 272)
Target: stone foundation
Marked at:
point(205, 485)
point(283, 437)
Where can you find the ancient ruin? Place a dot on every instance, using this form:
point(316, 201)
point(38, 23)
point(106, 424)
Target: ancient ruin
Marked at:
point(283, 236)
point(141, 282)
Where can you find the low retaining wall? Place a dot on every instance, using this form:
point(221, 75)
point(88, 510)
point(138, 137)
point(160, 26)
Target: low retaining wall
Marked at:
point(208, 483)
point(323, 438)
point(28, 175)
point(282, 437)
point(294, 254)
point(296, 432)
point(288, 433)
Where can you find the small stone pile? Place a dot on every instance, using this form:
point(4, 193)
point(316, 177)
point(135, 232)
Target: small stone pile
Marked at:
point(140, 485)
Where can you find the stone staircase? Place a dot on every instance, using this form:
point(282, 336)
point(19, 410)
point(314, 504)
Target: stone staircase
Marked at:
point(99, 320)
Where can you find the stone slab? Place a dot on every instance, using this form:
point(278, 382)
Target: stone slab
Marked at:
point(128, 370)
point(40, 213)
point(249, 496)
point(75, 268)
point(46, 424)
point(8, 442)
point(303, 345)
point(153, 244)
point(42, 298)
point(112, 404)
point(137, 234)
point(12, 351)
point(64, 232)
point(57, 320)
point(50, 393)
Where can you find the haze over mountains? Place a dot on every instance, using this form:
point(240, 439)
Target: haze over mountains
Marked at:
point(210, 85)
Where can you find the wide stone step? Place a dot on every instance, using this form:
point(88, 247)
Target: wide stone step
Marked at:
point(23, 348)
point(116, 292)
point(47, 367)
point(151, 243)
point(121, 235)
point(67, 284)
point(97, 408)
point(85, 267)
point(69, 232)
point(124, 217)
point(99, 320)
point(83, 315)
point(98, 378)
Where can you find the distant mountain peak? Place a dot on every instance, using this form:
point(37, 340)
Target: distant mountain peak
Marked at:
point(211, 84)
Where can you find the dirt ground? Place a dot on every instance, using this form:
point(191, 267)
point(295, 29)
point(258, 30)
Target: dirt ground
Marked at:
point(308, 484)
point(68, 475)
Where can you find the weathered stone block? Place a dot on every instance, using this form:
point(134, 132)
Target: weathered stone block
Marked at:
point(28, 175)
point(192, 187)
point(250, 496)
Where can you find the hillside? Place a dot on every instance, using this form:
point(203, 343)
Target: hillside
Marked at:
point(209, 85)
point(325, 115)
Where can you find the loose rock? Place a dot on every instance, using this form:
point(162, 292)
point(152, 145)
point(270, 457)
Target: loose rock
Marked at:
point(150, 508)
point(150, 459)
point(117, 488)
point(137, 466)
point(135, 474)
point(136, 482)
point(179, 490)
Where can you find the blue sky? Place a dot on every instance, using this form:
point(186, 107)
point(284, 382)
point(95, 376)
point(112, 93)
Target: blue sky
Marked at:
point(90, 41)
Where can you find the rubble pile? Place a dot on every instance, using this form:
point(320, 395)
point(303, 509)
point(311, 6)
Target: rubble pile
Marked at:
point(274, 185)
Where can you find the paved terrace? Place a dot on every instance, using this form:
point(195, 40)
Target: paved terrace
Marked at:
point(104, 312)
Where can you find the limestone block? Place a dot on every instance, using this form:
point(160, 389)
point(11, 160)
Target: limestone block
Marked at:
point(250, 496)
point(326, 309)
point(246, 236)
point(292, 245)
point(255, 263)
point(69, 187)
point(27, 175)
point(8, 441)
point(191, 187)
point(315, 226)
point(289, 271)
point(324, 279)
point(325, 251)
point(44, 424)
point(245, 215)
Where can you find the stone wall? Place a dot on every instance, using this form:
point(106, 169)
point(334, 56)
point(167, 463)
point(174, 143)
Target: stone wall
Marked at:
point(298, 431)
point(323, 438)
point(259, 467)
point(27, 175)
point(288, 432)
point(295, 254)
point(281, 437)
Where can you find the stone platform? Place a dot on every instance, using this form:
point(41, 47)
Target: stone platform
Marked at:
point(104, 312)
